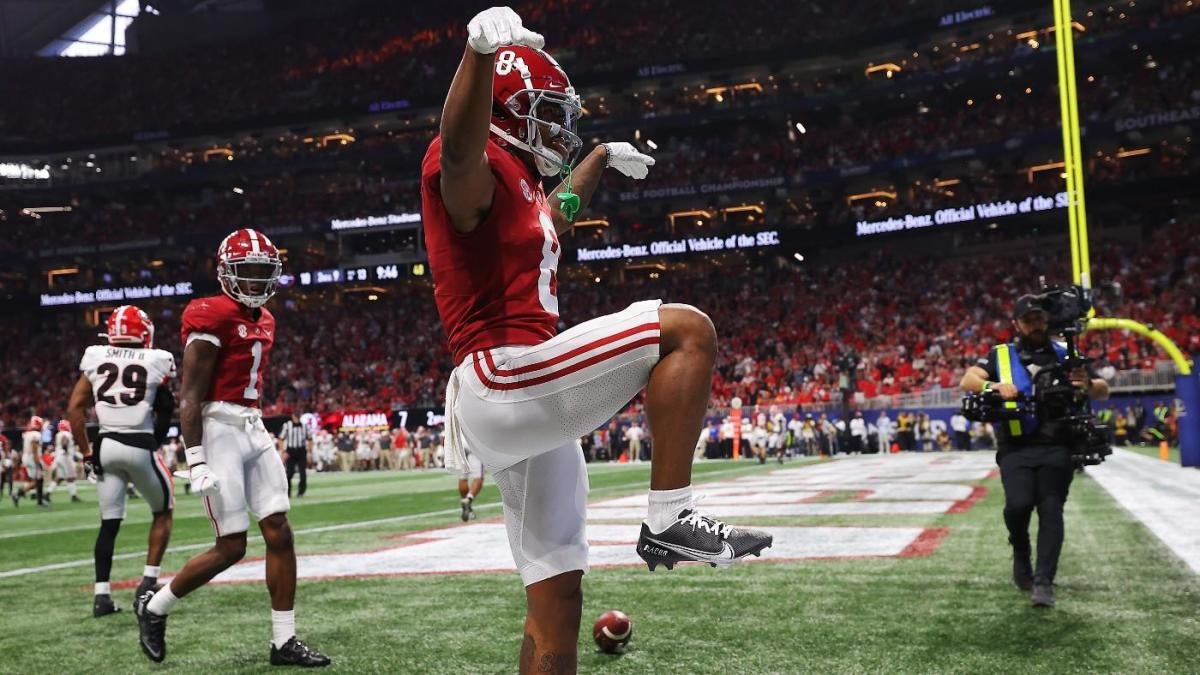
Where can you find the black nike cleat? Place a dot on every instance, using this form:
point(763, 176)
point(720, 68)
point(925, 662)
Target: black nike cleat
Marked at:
point(152, 629)
point(144, 586)
point(103, 605)
point(296, 653)
point(699, 538)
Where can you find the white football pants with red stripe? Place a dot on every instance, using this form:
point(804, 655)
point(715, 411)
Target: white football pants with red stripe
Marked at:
point(522, 410)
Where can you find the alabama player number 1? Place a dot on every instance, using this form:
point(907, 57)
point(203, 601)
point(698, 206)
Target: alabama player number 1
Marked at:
point(251, 391)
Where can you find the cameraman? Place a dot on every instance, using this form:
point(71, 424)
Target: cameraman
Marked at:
point(1035, 462)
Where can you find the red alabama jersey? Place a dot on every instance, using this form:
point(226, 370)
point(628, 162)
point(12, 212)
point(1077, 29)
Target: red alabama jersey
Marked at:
point(498, 284)
point(244, 345)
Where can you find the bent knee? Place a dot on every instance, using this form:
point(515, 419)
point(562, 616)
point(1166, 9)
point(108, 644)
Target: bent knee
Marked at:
point(685, 327)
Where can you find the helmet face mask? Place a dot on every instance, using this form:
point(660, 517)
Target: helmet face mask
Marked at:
point(251, 283)
point(550, 128)
point(248, 268)
point(536, 109)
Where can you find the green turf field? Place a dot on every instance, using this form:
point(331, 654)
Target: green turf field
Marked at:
point(1125, 604)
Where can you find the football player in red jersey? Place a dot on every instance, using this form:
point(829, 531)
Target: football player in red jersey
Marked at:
point(522, 393)
point(231, 458)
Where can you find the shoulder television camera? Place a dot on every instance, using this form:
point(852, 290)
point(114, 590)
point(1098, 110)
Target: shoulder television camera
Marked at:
point(1063, 410)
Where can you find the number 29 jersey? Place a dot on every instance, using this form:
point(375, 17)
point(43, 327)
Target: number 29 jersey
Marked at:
point(125, 381)
point(243, 342)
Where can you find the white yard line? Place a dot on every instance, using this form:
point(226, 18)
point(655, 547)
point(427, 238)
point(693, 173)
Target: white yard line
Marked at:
point(1162, 495)
point(23, 571)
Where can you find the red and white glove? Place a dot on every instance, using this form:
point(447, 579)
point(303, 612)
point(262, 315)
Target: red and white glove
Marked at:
point(498, 27)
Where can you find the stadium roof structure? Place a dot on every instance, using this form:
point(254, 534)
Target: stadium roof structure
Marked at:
point(26, 26)
point(86, 27)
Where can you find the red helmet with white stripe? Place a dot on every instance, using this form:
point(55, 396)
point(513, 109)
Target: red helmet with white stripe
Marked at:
point(35, 424)
point(248, 267)
point(535, 108)
point(128, 325)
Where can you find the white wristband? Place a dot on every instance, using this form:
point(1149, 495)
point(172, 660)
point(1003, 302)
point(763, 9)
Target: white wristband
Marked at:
point(195, 455)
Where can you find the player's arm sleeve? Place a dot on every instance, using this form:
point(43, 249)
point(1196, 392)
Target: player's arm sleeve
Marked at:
point(164, 410)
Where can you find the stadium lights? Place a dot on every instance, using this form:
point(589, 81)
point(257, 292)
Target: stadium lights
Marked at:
point(887, 68)
point(652, 144)
point(238, 191)
point(340, 137)
point(227, 153)
point(800, 128)
point(695, 213)
point(850, 199)
point(743, 208)
point(31, 210)
point(60, 272)
point(1049, 166)
point(1122, 153)
point(798, 257)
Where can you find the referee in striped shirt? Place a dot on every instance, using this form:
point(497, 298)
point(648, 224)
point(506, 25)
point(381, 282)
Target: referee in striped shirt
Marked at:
point(296, 439)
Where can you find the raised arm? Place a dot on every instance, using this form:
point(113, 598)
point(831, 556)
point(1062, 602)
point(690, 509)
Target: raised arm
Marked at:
point(467, 183)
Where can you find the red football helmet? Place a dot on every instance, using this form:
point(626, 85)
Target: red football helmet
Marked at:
point(64, 425)
point(535, 108)
point(248, 267)
point(128, 325)
point(35, 423)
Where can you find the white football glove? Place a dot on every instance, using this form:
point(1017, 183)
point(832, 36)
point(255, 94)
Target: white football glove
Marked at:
point(497, 27)
point(625, 158)
point(204, 481)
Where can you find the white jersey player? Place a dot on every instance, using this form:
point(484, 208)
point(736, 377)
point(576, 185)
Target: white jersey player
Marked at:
point(31, 459)
point(125, 380)
point(63, 466)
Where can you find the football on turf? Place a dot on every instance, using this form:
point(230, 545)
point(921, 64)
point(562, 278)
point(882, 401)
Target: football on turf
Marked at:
point(612, 631)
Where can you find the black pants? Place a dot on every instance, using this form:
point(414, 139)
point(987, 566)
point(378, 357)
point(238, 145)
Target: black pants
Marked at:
point(297, 458)
point(1037, 476)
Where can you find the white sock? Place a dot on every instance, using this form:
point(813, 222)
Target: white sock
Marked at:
point(162, 602)
point(50, 488)
point(470, 497)
point(103, 588)
point(71, 489)
point(283, 626)
point(151, 571)
point(665, 506)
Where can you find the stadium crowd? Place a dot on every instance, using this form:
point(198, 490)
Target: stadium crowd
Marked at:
point(790, 334)
point(383, 51)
